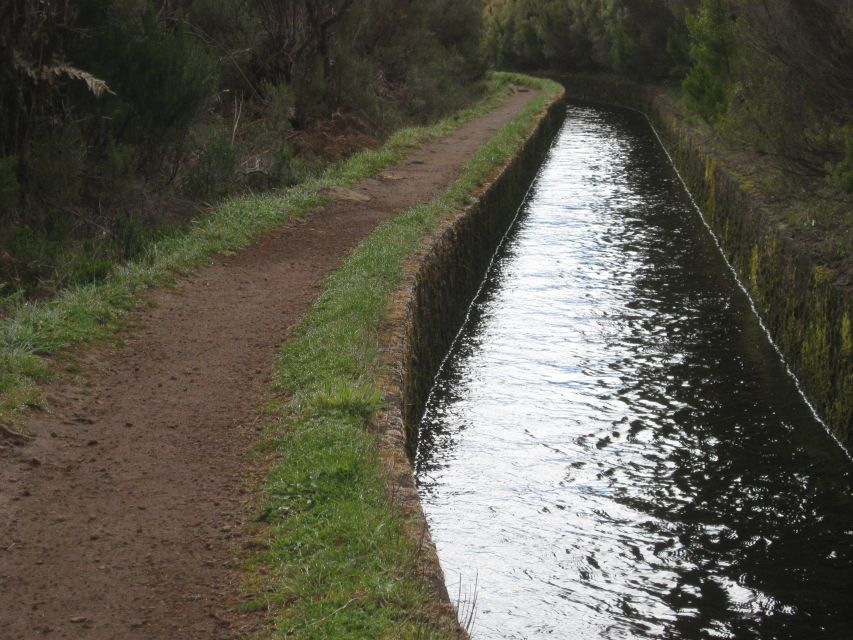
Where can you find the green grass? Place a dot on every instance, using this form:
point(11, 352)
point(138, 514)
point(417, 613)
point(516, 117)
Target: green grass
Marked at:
point(88, 313)
point(339, 565)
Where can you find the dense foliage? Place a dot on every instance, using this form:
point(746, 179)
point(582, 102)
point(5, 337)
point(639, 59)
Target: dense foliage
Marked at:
point(117, 115)
point(628, 36)
point(775, 75)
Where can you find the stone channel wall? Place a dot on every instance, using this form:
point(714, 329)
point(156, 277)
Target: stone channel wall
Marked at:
point(425, 316)
point(807, 314)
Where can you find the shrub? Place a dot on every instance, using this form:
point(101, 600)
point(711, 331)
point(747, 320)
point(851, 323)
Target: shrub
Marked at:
point(712, 45)
point(212, 177)
point(279, 105)
point(282, 166)
point(842, 171)
point(53, 172)
point(161, 79)
point(121, 163)
point(130, 237)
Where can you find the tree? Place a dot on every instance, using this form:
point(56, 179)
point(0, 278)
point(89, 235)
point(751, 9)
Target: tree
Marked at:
point(298, 35)
point(808, 46)
point(712, 46)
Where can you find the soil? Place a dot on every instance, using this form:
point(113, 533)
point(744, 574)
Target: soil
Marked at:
point(123, 516)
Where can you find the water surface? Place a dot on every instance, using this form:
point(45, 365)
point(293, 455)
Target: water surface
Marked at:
point(613, 449)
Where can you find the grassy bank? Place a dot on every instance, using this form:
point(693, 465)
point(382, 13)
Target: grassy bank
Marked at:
point(29, 332)
point(338, 564)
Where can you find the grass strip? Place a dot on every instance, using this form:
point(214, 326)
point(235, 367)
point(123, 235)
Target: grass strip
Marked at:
point(338, 564)
point(90, 313)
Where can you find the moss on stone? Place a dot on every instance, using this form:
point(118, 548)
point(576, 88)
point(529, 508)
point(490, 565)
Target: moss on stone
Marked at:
point(711, 187)
point(754, 269)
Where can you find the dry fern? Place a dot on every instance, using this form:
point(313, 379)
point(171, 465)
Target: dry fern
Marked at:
point(56, 69)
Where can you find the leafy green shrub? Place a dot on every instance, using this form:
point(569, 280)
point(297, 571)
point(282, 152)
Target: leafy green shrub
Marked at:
point(431, 87)
point(229, 28)
point(121, 163)
point(282, 167)
point(369, 98)
point(54, 168)
point(307, 167)
point(227, 21)
point(213, 175)
point(842, 171)
point(677, 53)
point(130, 237)
point(50, 259)
point(625, 53)
point(279, 105)
point(711, 47)
point(161, 79)
point(707, 92)
point(91, 264)
point(32, 255)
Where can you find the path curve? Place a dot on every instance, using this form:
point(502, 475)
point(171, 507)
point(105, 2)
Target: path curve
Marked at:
point(121, 518)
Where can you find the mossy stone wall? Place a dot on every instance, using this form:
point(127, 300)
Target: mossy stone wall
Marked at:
point(451, 270)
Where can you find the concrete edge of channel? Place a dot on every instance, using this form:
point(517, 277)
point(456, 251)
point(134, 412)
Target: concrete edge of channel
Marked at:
point(424, 317)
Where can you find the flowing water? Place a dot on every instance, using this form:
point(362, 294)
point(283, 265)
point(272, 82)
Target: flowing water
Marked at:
point(613, 449)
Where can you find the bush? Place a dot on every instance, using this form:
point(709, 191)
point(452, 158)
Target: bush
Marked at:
point(162, 79)
point(121, 163)
point(712, 46)
point(278, 107)
point(212, 177)
point(282, 167)
point(707, 92)
point(842, 171)
point(130, 237)
point(53, 172)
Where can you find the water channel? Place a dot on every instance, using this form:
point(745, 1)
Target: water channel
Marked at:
point(613, 448)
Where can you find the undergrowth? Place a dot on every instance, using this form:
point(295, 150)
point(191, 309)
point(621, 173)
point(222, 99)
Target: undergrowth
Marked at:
point(338, 564)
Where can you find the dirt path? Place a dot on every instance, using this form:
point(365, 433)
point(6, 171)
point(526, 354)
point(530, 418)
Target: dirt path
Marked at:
point(121, 519)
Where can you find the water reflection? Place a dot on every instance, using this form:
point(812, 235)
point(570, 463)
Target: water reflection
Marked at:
point(613, 449)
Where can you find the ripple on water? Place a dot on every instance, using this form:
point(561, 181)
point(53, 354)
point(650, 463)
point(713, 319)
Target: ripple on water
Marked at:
point(613, 449)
